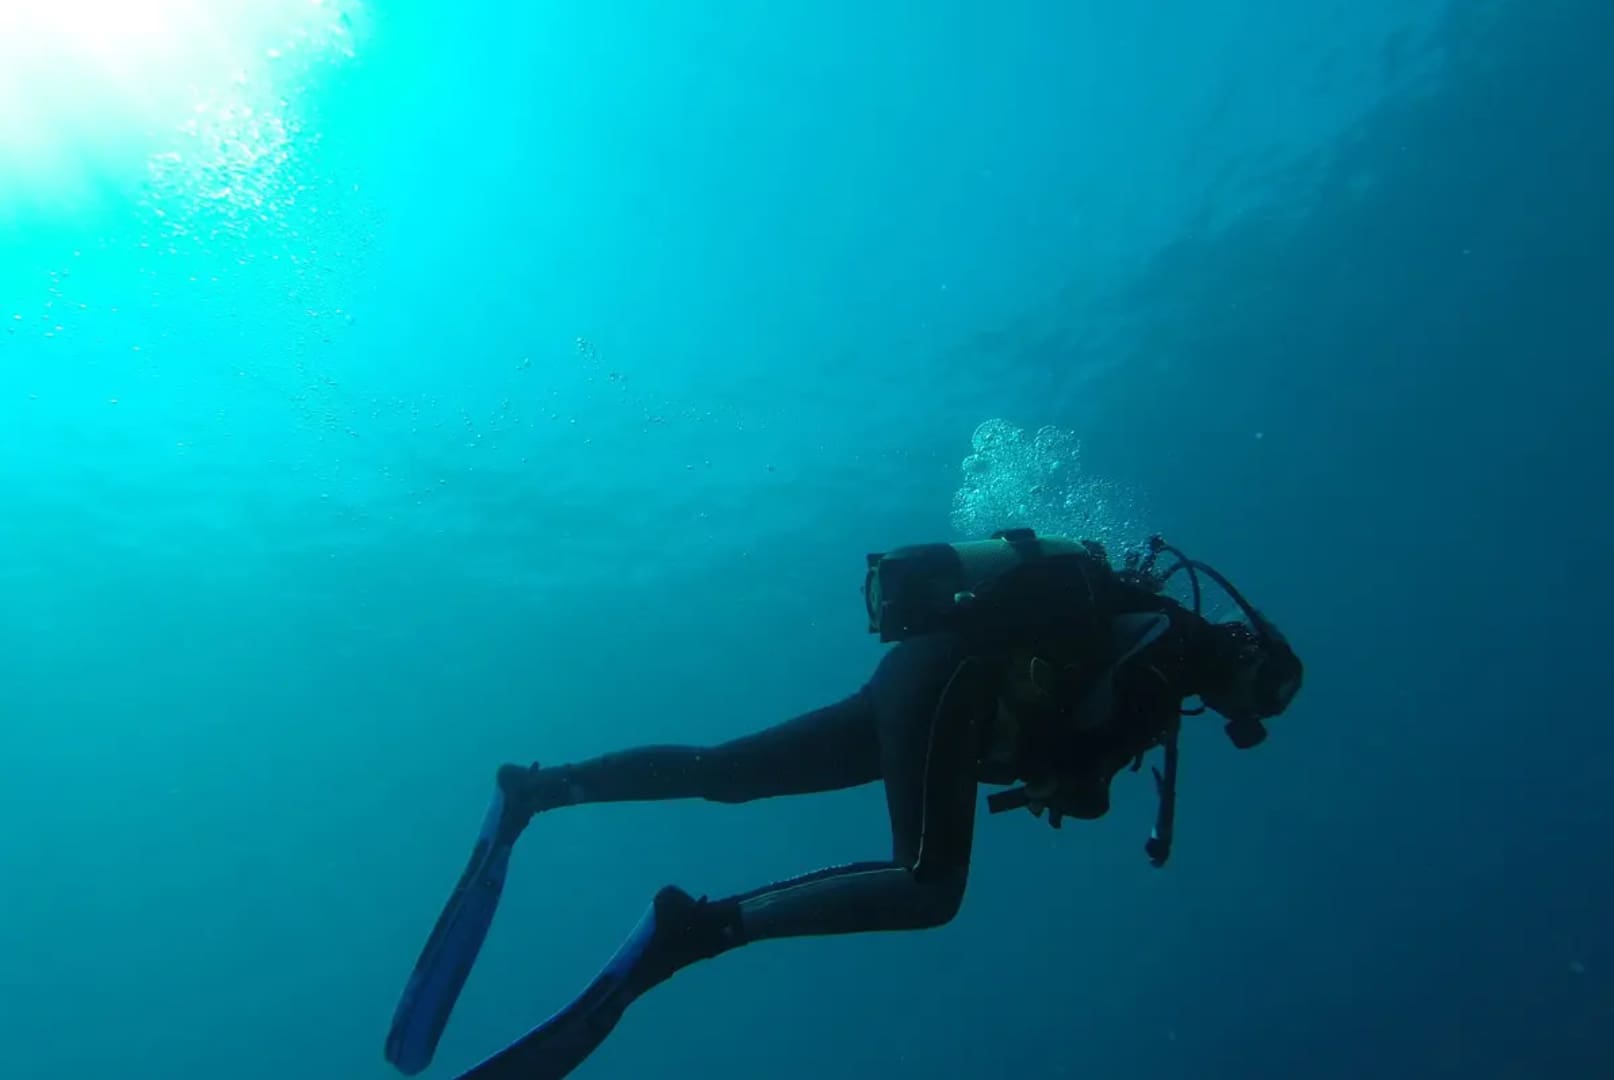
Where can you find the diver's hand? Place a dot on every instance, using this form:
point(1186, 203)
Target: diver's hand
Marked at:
point(1042, 795)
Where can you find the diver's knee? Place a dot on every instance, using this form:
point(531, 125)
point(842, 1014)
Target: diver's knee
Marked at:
point(940, 898)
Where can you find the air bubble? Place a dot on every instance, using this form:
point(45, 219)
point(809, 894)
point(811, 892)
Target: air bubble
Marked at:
point(1012, 481)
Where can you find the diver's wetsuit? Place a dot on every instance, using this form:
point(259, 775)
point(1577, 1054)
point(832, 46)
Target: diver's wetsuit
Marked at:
point(892, 729)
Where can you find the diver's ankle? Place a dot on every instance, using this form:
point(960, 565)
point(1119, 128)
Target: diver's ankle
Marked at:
point(535, 789)
point(687, 931)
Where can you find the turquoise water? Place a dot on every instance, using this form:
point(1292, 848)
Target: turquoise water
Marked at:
point(387, 392)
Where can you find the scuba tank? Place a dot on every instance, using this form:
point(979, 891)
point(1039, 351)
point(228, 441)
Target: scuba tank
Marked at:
point(925, 588)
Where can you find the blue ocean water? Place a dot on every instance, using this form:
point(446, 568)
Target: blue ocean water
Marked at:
point(389, 391)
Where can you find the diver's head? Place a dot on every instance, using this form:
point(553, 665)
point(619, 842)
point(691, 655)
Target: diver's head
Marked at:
point(1254, 676)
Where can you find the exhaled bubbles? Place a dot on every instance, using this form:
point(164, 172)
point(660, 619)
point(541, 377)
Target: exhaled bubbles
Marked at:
point(1011, 480)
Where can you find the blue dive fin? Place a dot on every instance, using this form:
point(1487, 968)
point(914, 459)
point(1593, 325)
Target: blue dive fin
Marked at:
point(560, 1044)
point(445, 962)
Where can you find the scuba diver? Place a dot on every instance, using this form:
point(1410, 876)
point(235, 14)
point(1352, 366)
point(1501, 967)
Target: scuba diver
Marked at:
point(1019, 661)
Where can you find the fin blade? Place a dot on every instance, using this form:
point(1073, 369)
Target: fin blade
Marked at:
point(560, 1044)
point(445, 962)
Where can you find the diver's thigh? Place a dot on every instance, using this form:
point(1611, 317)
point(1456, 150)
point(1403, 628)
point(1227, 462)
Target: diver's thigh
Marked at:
point(826, 749)
point(906, 689)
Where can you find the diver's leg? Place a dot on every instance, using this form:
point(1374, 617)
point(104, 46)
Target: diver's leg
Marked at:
point(928, 702)
point(928, 756)
point(838, 746)
point(834, 747)
point(928, 699)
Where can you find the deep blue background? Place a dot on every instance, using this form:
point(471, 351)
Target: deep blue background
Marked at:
point(553, 399)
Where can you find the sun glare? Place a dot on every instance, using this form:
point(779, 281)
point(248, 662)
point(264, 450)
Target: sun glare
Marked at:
point(123, 39)
point(87, 81)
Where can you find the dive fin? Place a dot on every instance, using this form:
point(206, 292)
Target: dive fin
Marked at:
point(445, 963)
point(563, 1042)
